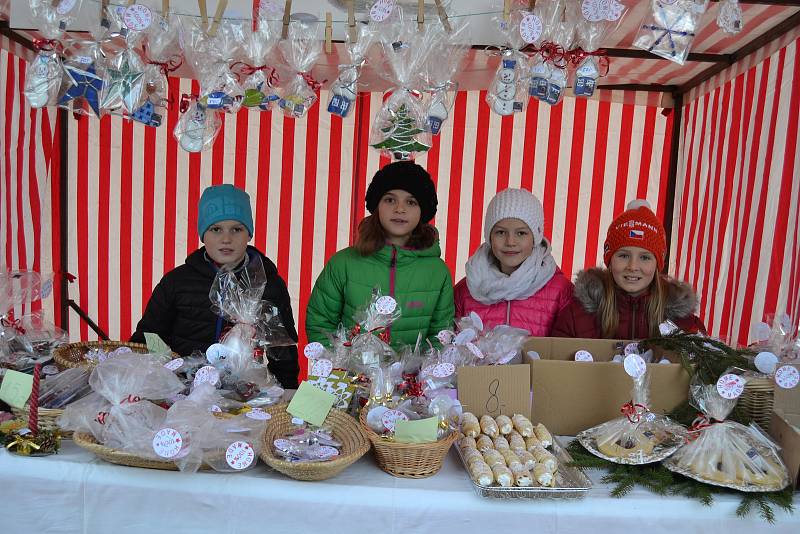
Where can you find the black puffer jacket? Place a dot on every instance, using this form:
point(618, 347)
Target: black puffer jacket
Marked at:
point(179, 311)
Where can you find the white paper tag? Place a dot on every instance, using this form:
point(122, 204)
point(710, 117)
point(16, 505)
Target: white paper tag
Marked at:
point(65, 6)
point(240, 455)
point(313, 350)
point(258, 414)
point(137, 17)
point(787, 377)
point(325, 452)
point(167, 442)
point(385, 305)
point(390, 417)
point(474, 350)
point(530, 28)
point(465, 336)
point(634, 365)
point(476, 320)
point(631, 348)
point(174, 365)
point(322, 367)
point(217, 352)
point(50, 370)
point(282, 444)
point(206, 374)
point(730, 386)
point(381, 10)
point(766, 362)
point(594, 10)
point(583, 356)
point(440, 370)
point(445, 336)
point(86, 60)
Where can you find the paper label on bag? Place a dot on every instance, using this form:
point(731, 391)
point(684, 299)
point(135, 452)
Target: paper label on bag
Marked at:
point(297, 421)
point(217, 352)
point(65, 6)
point(240, 455)
point(594, 10)
point(631, 348)
point(282, 444)
point(445, 336)
point(326, 451)
point(730, 386)
point(50, 370)
point(313, 350)
point(167, 442)
point(258, 414)
point(440, 370)
point(322, 367)
point(465, 336)
point(766, 362)
point(385, 305)
point(583, 356)
point(787, 377)
point(530, 28)
point(86, 60)
point(214, 409)
point(390, 417)
point(381, 10)
point(634, 365)
point(476, 320)
point(474, 350)
point(174, 365)
point(206, 374)
point(137, 17)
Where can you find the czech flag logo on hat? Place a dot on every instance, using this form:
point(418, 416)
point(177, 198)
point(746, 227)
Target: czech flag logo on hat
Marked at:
point(636, 234)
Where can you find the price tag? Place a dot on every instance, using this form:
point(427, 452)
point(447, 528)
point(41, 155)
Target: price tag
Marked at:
point(787, 377)
point(174, 365)
point(167, 442)
point(381, 10)
point(86, 60)
point(634, 365)
point(313, 350)
point(258, 414)
point(730, 386)
point(583, 356)
point(390, 417)
point(530, 28)
point(322, 367)
point(240, 455)
point(440, 370)
point(766, 362)
point(137, 17)
point(475, 350)
point(217, 352)
point(282, 444)
point(385, 305)
point(207, 374)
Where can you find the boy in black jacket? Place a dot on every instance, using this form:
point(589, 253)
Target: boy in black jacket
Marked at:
point(179, 310)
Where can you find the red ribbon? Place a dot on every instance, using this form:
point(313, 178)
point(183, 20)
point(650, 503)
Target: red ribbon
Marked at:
point(9, 322)
point(312, 83)
point(554, 53)
point(172, 65)
point(577, 56)
point(46, 45)
point(633, 411)
point(240, 68)
point(410, 386)
point(356, 330)
point(186, 101)
point(700, 423)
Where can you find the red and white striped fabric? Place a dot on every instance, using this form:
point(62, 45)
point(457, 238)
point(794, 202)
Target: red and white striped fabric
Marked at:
point(736, 233)
point(28, 171)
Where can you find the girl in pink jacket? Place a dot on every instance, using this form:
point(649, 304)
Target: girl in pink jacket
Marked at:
point(512, 278)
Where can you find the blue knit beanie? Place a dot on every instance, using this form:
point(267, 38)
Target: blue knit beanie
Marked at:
point(224, 203)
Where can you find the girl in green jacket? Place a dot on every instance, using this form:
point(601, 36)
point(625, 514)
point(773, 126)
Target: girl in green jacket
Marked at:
point(396, 251)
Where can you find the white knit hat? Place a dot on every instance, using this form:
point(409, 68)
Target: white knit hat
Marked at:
point(517, 204)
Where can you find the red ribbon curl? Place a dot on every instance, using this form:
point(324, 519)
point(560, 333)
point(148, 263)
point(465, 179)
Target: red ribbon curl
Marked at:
point(633, 411)
point(171, 65)
point(240, 68)
point(9, 322)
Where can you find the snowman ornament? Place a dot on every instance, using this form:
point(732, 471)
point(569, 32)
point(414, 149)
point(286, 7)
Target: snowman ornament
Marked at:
point(504, 89)
point(193, 136)
point(43, 83)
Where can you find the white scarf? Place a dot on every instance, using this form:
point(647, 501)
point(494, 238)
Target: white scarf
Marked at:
point(488, 285)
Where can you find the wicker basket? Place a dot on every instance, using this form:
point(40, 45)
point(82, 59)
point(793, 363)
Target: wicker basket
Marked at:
point(408, 460)
point(757, 400)
point(48, 418)
point(345, 429)
point(73, 354)
point(118, 457)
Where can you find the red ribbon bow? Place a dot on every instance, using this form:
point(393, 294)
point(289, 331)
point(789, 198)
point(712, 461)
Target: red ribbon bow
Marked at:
point(633, 411)
point(577, 56)
point(553, 53)
point(312, 83)
point(171, 65)
point(240, 68)
point(46, 45)
point(410, 386)
point(186, 101)
point(700, 423)
point(9, 322)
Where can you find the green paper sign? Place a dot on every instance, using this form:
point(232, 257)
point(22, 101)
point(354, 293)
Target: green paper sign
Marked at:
point(155, 344)
point(420, 431)
point(311, 404)
point(16, 388)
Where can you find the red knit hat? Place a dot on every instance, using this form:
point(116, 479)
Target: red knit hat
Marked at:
point(639, 227)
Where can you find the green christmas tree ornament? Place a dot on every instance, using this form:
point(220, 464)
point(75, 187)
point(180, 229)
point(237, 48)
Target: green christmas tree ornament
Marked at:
point(399, 136)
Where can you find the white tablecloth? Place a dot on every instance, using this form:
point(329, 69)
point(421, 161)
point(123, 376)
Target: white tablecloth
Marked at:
point(74, 492)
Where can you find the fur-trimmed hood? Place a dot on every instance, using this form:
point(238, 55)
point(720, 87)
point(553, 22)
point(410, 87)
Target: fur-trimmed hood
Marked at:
point(681, 298)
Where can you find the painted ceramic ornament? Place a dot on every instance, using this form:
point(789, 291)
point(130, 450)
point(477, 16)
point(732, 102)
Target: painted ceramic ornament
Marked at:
point(586, 78)
point(437, 114)
point(123, 87)
point(294, 104)
point(43, 81)
point(86, 85)
point(217, 100)
point(253, 98)
point(146, 114)
point(540, 74)
point(504, 91)
point(196, 132)
point(556, 86)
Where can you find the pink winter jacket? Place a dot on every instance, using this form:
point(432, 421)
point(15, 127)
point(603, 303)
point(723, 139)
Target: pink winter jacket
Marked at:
point(536, 314)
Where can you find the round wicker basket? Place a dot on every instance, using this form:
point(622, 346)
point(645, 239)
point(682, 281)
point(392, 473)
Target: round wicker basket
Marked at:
point(345, 429)
point(118, 457)
point(73, 354)
point(48, 418)
point(757, 400)
point(408, 460)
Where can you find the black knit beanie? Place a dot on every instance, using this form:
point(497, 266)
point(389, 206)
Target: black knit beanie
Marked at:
point(409, 177)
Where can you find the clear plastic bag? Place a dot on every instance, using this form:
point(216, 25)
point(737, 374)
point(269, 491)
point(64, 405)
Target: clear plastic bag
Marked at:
point(64, 388)
point(594, 21)
point(563, 35)
point(448, 52)
point(258, 80)
point(301, 50)
point(52, 18)
point(726, 453)
point(123, 85)
point(369, 346)
point(43, 81)
point(130, 376)
point(640, 436)
point(197, 128)
point(306, 445)
point(345, 88)
point(668, 29)
point(400, 128)
point(730, 18)
point(88, 414)
point(84, 71)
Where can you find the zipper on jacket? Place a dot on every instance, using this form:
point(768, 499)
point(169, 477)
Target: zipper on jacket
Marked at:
point(508, 313)
point(392, 273)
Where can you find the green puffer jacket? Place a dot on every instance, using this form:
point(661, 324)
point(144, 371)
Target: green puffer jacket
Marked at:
point(421, 284)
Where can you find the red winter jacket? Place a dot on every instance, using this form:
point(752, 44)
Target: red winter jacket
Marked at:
point(579, 318)
point(535, 314)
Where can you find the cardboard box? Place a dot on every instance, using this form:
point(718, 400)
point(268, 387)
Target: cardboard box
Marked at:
point(570, 396)
point(784, 427)
point(495, 390)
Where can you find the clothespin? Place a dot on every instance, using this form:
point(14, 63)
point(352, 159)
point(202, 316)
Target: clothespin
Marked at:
point(351, 21)
point(203, 13)
point(328, 33)
point(287, 13)
point(443, 16)
point(420, 14)
point(531, 4)
point(164, 8)
point(223, 4)
point(506, 9)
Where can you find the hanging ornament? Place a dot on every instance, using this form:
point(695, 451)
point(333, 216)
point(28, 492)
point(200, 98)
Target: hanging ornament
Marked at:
point(44, 76)
point(86, 85)
point(669, 28)
point(197, 128)
point(730, 18)
point(122, 89)
point(399, 135)
point(502, 94)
